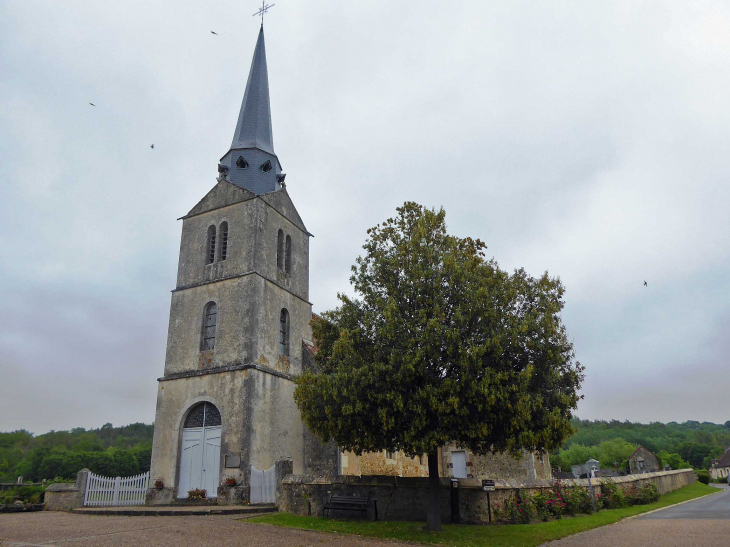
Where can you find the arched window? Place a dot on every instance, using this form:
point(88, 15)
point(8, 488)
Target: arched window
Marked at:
point(210, 258)
point(266, 166)
point(209, 322)
point(203, 414)
point(241, 163)
point(224, 240)
point(287, 266)
point(280, 250)
point(284, 333)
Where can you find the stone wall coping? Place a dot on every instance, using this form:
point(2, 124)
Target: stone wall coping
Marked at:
point(62, 487)
point(219, 370)
point(473, 484)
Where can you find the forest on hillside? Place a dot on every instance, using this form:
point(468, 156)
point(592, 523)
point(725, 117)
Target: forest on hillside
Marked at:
point(124, 451)
point(109, 451)
point(679, 445)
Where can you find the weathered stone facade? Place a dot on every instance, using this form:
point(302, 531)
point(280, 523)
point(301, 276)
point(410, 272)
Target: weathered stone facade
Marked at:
point(399, 498)
point(643, 461)
point(529, 467)
point(244, 376)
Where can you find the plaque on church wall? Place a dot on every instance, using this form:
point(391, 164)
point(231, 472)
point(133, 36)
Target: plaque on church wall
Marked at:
point(232, 461)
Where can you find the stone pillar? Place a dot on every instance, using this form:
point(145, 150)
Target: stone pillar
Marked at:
point(283, 468)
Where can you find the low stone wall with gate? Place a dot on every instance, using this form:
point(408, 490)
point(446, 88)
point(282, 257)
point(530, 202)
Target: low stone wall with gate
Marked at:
point(407, 498)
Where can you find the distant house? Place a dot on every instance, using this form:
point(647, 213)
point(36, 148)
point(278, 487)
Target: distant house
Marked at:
point(643, 461)
point(720, 468)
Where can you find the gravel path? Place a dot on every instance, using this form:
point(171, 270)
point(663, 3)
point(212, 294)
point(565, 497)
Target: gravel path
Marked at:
point(52, 528)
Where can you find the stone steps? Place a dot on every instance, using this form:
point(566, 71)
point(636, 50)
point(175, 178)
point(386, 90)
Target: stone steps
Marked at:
point(177, 510)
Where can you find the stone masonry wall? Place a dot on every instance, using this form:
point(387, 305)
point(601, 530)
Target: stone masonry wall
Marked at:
point(406, 498)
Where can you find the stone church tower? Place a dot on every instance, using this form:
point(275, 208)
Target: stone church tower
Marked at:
point(239, 326)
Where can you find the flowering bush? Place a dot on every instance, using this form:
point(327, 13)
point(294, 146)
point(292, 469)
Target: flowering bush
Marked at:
point(577, 499)
point(230, 481)
point(642, 495)
point(517, 510)
point(549, 503)
point(197, 494)
point(159, 484)
point(611, 496)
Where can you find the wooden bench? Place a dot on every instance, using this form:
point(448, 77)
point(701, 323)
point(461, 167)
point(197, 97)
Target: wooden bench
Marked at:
point(347, 503)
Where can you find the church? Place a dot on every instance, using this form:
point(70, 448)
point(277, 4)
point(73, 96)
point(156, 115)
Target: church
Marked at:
point(239, 334)
point(239, 330)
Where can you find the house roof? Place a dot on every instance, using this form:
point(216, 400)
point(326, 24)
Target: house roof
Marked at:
point(722, 461)
point(635, 453)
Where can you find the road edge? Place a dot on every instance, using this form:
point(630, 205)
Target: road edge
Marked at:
point(719, 490)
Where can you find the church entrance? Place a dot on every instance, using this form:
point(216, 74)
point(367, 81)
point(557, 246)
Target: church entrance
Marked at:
point(201, 451)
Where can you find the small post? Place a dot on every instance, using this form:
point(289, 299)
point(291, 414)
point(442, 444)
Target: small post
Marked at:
point(489, 507)
point(592, 473)
point(488, 485)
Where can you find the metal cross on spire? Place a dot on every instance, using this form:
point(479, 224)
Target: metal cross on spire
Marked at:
point(264, 8)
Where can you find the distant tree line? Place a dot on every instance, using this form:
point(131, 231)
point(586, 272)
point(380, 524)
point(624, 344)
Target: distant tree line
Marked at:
point(110, 451)
point(689, 444)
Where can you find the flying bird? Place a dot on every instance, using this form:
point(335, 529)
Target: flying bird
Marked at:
point(152, 145)
point(212, 32)
point(92, 104)
point(646, 284)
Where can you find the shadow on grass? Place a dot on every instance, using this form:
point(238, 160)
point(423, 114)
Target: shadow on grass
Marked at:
point(516, 535)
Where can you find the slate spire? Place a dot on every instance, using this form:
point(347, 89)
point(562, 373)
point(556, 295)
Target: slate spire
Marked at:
point(253, 129)
point(251, 161)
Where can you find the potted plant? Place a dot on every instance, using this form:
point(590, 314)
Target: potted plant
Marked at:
point(230, 481)
point(159, 484)
point(197, 494)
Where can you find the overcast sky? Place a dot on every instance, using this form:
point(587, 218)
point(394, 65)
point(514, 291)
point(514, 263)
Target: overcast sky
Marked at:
point(588, 139)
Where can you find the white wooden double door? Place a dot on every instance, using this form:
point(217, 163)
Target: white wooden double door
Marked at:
point(200, 460)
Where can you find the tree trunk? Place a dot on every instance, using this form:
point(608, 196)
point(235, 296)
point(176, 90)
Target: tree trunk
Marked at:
point(434, 510)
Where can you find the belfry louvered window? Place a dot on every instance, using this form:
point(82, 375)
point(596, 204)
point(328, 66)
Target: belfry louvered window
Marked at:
point(203, 414)
point(284, 333)
point(241, 163)
point(280, 250)
point(210, 258)
point(209, 324)
point(266, 166)
point(224, 240)
point(287, 259)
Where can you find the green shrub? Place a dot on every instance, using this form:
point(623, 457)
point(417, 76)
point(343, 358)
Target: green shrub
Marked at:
point(611, 496)
point(519, 509)
point(577, 500)
point(35, 498)
point(642, 495)
point(549, 504)
point(703, 477)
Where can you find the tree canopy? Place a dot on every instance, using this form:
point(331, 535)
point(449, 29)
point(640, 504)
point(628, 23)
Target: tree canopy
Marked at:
point(440, 346)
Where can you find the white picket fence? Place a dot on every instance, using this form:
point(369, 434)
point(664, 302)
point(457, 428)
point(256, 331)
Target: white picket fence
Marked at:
point(116, 491)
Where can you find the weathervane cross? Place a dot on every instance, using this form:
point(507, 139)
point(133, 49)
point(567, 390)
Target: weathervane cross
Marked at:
point(264, 8)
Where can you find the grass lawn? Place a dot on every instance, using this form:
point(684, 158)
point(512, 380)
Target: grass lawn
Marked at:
point(516, 535)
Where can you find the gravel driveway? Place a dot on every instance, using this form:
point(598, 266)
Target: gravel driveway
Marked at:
point(52, 528)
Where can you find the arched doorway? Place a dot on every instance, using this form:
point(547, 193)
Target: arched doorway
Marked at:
point(201, 451)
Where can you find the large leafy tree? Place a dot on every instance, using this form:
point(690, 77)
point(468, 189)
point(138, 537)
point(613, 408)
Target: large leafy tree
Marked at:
point(442, 346)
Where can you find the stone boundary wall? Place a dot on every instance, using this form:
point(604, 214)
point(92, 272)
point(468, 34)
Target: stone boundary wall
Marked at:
point(406, 498)
point(63, 496)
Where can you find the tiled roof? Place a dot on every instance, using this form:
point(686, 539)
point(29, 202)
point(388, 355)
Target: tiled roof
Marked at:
point(723, 461)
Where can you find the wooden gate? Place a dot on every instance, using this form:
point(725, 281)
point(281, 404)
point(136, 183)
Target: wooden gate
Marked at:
point(116, 491)
point(263, 485)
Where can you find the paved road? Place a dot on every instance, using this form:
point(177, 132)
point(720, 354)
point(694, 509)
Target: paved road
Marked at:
point(701, 523)
point(51, 528)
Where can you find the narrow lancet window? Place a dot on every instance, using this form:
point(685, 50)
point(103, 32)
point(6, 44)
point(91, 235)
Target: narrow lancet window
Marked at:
point(287, 261)
point(284, 333)
point(211, 245)
point(224, 240)
point(280, 250)
point(209, 322)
